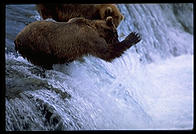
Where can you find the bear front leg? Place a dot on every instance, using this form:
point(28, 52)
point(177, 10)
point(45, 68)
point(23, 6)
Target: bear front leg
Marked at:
point(111, 51)
point(116, 50)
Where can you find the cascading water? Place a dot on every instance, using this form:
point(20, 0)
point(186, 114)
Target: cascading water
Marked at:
point(149, 87)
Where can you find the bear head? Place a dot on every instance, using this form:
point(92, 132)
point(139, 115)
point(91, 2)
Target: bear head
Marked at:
point(106, 10)
point(107, 30)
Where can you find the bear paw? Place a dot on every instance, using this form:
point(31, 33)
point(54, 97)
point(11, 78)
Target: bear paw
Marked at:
point(133, 38)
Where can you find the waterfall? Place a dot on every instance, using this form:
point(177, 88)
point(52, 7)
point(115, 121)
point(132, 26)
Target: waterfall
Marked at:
point(149, 87)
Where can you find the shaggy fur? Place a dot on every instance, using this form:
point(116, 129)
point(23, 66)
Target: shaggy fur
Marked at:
point(64, 12)
point(45, 43)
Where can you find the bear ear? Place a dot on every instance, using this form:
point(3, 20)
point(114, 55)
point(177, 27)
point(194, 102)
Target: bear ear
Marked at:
point(109, 21)
point(122, 17)
point(108, 11)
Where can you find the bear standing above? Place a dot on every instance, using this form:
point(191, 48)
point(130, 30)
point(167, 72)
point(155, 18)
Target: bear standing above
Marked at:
point(64, 12)
point(45, 43)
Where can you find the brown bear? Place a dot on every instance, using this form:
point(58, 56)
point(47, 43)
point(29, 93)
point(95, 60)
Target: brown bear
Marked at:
point(64, 12)
point(45, 43)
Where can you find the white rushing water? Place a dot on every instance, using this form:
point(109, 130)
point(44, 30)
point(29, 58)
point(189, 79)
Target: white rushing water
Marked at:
point(149, 87)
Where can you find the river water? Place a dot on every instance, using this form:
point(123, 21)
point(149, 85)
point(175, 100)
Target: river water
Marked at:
point(149, 88)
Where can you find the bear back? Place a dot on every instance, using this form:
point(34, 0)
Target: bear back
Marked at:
point(64, 12)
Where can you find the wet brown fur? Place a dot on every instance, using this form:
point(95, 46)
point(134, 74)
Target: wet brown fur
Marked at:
point(45, 43)
point(64, 12)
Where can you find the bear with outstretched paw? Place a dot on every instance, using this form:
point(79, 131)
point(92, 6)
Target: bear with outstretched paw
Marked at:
point(64, 12)
point(45, 43)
